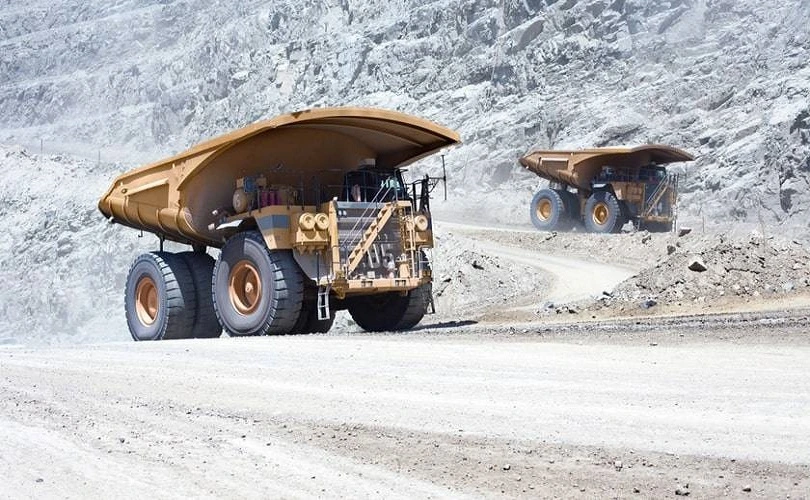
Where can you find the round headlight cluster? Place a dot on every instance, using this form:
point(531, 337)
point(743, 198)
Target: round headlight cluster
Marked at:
point(322, 221)
point(306, 221)
point(309, 221)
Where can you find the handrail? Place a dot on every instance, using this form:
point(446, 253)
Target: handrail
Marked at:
point(366, 212)
point(354, 242)
point(356, 255)
point(653, 200)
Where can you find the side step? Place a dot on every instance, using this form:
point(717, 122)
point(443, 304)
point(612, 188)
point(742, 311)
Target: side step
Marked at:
point(323, 303)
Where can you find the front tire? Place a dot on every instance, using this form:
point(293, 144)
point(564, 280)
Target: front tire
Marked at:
point(257, 291)
point(390, 311)
point(160, 299)
point(603, 213)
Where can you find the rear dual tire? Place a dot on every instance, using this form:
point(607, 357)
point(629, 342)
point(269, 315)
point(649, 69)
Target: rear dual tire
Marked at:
point(160, 299)
point(168, 296)
point(554, 210)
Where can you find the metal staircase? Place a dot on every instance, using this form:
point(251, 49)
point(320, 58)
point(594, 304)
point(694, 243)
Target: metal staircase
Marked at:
point(369, 236)
point(661, 189)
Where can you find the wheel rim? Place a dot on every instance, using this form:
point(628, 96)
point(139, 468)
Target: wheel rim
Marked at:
point(544, 209)
point(146, 301)
point(245, 287)
point(600, 214)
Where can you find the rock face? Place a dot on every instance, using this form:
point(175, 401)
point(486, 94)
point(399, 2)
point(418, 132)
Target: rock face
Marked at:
point(133, 80)
point(62, 266)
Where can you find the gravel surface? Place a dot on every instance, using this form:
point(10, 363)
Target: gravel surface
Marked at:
point(437, 412)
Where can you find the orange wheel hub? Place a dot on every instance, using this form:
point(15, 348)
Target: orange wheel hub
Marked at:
point(600, 214)
point(146, 301)
point(245, 287)
point(544, 209)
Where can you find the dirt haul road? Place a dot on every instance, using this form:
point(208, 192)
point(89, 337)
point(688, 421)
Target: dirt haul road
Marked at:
point(427, 414)
point(572, 279)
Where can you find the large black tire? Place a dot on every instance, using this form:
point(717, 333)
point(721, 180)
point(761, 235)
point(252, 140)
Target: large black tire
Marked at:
point(572, 207)
point(603, 213)
point(206, 324)
point(308, 321)
point(160, 300)
point(548, 212)
point(390, 311)
point(256, 291)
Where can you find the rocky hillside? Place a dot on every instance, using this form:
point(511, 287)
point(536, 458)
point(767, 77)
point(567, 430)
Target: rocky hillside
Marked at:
point(62, 267)
point(131, 80)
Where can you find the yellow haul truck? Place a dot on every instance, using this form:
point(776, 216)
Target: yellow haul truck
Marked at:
point(604, 188)
point(311, 213)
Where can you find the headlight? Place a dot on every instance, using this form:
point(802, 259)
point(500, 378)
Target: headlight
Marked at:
point(306, 221)
point(421, 223)
point(322, 221)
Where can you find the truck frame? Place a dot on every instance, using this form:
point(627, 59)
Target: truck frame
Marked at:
point(311, 214)
point(604, 188)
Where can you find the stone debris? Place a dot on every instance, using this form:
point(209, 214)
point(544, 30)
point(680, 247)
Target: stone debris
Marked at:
point(696, 264)
point(714, 267)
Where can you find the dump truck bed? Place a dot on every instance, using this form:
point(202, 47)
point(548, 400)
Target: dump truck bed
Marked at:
point(578, 168)
point(306, 151)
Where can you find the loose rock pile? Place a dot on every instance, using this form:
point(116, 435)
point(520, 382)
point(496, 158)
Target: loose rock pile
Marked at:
point(705, 269)
point(468, 280)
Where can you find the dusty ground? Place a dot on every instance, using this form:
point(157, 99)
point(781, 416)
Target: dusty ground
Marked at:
point(497, 395)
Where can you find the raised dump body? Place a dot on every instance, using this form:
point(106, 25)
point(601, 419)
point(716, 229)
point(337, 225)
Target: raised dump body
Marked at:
point(306, 206)
point(603, 188)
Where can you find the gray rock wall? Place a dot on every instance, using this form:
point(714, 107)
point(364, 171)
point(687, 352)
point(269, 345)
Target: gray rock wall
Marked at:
point(728, 80)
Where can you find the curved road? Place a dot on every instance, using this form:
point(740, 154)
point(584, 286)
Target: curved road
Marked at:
point(574, 279)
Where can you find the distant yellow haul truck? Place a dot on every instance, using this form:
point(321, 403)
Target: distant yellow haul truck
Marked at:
point(604, 188)
point(311, 213)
